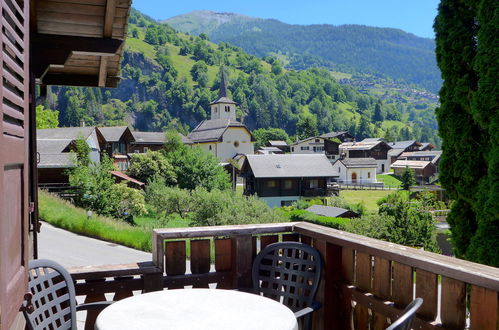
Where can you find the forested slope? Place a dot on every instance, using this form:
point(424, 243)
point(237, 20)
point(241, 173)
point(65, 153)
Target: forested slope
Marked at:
point(347, 48)
point(170, 78)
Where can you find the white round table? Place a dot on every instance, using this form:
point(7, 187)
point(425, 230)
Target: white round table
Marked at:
point(187, 309)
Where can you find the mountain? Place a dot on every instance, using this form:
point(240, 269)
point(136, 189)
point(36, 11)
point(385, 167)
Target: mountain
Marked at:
point(170, 78)
point(362, 49)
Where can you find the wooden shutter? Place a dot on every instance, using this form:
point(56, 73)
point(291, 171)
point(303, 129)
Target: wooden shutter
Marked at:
point(14, 105)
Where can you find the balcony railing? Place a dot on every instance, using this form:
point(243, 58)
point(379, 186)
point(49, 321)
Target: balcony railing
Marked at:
point(365, 281)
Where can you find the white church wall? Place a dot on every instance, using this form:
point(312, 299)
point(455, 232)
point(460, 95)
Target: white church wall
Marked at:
point(235, 141)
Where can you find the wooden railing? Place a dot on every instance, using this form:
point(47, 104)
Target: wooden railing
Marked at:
point(365, 283)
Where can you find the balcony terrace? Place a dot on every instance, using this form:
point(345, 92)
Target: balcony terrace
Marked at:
point(365, 281)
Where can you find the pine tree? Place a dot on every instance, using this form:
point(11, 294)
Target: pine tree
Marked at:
point(378, 113)
point(408, 178)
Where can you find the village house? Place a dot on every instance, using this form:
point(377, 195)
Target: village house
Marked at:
point(426, 146)
point(223, 135)
point(317, 145)
point(153, 141)
point(399, 147)
point(283, 179)
point(283, 145)
point(356, 170)
point(269, 151)
point(423, 170)
point(343, 136)
point(375, 148)
point(54, 151)
point(116, 143)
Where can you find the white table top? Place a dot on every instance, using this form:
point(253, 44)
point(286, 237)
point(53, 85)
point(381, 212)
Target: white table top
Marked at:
point(187, 309)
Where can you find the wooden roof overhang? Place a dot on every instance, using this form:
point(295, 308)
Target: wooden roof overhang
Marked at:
point(78, 42)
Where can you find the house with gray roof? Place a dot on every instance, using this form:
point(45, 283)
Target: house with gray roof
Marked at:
point(283, 179)
point(399, 147)
point(116, 143)
point(360, 171)
point(223, 135)
point(54, 151)
point(376, 148)
point(331, 211)
point(145, 141)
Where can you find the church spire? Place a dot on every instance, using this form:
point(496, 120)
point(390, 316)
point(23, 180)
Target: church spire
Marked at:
point(222, 92)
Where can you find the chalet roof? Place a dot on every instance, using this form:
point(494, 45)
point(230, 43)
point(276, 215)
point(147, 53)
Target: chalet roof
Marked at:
point(425, 145)
point(290, 166)
point(113, 134)
point(155, 138)
point(395, 152)
point(64, 133)
point(278, 143)
point(358, 162)
point(213, 129)
point(327, 211)
point(57, 160)
point(433, 155)
point(304, 140)
point(366, 144)
point(331, 135)
point(270, 150)
point(52, 146)
point(125, 177)
point(403, 144)
point(78, 42)
point(414, 164)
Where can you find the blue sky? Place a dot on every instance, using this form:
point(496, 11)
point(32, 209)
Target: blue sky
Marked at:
point(414, 16)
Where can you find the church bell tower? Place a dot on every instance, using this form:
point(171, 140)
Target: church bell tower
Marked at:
point(223, 107)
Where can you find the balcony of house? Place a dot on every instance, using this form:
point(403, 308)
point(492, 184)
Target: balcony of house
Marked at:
point(364, 282)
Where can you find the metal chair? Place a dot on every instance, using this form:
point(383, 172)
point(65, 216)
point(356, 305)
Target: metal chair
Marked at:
point(54, 299)
point(404, 322)
point(289, 272)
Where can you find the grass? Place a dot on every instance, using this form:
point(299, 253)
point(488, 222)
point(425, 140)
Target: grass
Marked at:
point(367, 197)
point(389, 180)
point(63, 214)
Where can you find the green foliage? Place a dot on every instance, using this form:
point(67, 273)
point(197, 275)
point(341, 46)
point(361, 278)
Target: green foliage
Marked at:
point(408, 178)
point(400, 220)
point(194, 167)
point(152, 163)
point(264, 135)
point(82, 150)
point(469, 125)
point(46, 118)
point(303, 215)
point(63, 214)
point(129, 201)
point(217, 207)
point(306, 126)
point(167, 200)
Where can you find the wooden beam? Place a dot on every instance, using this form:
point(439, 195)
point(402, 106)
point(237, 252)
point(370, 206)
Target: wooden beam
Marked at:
point(56, 49)
point(78, 80)
point(109, 18)
point(103, 71)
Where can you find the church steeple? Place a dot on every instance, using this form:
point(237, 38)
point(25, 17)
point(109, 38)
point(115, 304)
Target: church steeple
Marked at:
point(223, 107)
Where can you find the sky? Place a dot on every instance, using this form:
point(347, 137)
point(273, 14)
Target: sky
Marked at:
point(414, 16)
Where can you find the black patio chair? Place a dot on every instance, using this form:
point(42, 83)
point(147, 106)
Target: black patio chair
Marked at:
point(404, 322)
point(289, 272)
point(54, 299)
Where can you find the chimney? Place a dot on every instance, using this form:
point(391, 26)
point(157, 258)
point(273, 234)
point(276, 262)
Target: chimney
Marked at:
point(82, 123)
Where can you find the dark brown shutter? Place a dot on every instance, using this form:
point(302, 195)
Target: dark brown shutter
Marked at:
point(14, 105)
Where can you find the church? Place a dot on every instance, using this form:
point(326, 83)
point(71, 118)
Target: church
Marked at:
point(223, 135)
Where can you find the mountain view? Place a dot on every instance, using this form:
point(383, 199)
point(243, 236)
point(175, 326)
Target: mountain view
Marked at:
point(386, 52)
point(169, 79)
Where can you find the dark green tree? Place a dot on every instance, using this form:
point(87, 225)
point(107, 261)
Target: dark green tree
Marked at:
point(378, 112)
point(408, 179)
point(306, 126)
point(466, 33)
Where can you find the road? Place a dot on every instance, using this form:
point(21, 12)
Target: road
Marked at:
point(71, 250)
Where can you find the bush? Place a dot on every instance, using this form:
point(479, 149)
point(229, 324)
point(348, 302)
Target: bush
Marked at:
point(302, 215)
point(152, 163)
point(167, 200)
point(129, 201)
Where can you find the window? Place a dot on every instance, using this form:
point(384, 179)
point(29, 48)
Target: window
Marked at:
point(305, 148)
point(227, 108)
point(368, 175)
point(236, 144)
point(210, 147)
point(288, 184)
point(292, 149)
point(146, 149)
point(216, 109)
point(271, 184)
point(314, 183)
point(317, 140)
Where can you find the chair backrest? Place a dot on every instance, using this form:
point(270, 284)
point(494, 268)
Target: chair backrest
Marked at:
point(288, 272)
point(53, 296)
point(404, 322)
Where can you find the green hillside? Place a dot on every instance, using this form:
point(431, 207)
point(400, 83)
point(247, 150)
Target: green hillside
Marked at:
point(347, 48)
point(169, 79)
